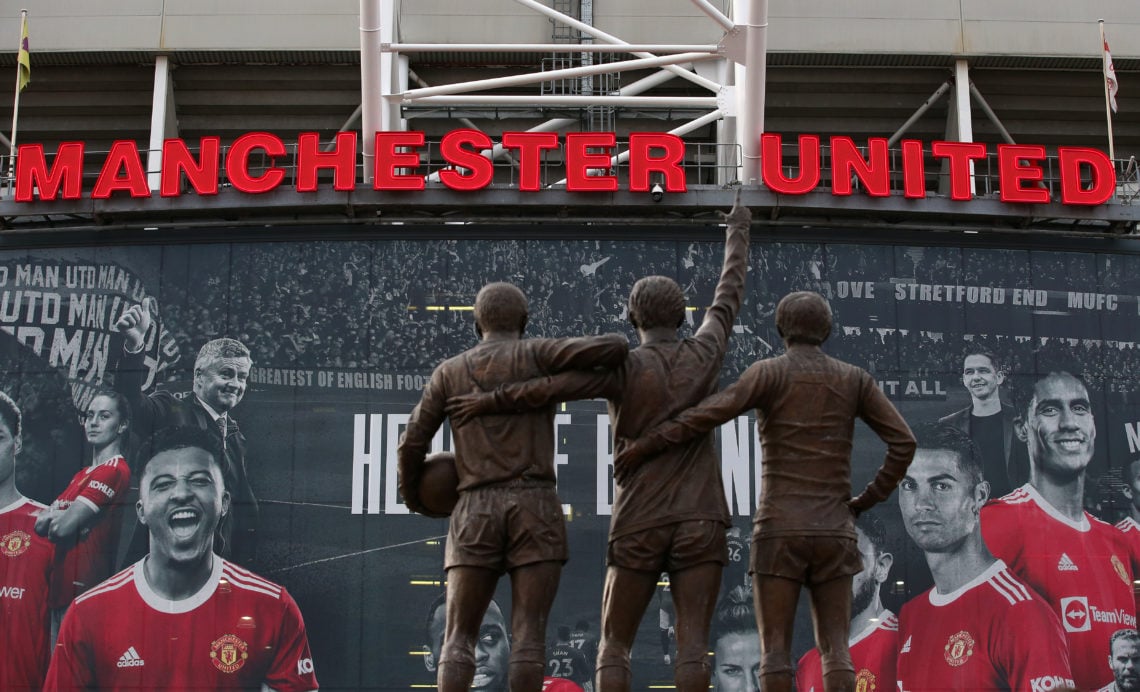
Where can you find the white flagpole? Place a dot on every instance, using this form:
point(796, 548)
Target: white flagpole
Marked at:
point(1107, 97)
point(16, 102)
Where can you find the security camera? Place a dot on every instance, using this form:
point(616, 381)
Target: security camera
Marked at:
point(657, 192)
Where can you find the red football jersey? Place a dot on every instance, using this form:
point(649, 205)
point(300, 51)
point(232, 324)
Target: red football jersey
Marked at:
point(239, 632)
point(559, 685)
point(25, 578)
point(993, 633)
point(1131, 531)
point(88, 561)
point(873, 652)
point(1082, 570)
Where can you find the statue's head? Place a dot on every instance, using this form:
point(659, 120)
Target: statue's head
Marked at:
point(656, 301)
point(500, 307)
point(804, 317)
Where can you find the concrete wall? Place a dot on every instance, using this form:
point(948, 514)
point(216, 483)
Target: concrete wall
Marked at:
point(941, 27)
point(164, 25)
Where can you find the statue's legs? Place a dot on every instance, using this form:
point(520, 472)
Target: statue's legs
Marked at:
point(626, 595)
point(831, 615)
point(775, 599)
point(469, 592)
point(694, 597)
point(533, 588)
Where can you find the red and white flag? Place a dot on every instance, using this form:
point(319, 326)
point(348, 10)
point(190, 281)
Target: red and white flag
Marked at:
point(1110, 77)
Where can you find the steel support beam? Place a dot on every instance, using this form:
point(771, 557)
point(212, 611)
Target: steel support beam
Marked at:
point(933, 98)
point(548, 48)
point(990, 113)
point(608, 38)
point(163, 123)
point(551, 75)
point(571, 100)
point(556, 124)
point(371, 102)
point(964, 115)
point(750, 102)
point(715, 14)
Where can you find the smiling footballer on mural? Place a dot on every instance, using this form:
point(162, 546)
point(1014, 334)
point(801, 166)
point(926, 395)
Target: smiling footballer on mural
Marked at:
point(197, 621)
point(1078, 563)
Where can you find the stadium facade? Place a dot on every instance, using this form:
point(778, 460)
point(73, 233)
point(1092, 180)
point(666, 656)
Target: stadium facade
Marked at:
point(940, 170)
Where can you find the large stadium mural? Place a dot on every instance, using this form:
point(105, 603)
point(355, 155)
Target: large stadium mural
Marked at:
point(344, 333)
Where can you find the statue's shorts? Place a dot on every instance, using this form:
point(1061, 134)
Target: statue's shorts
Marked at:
point(670, 548)
point(806, 559)
point(507, 525)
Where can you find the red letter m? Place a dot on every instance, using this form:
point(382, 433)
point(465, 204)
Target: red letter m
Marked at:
point(32, 171)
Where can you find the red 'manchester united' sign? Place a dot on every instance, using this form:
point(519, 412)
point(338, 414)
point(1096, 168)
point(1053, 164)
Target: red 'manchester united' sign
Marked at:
point(1086, 175)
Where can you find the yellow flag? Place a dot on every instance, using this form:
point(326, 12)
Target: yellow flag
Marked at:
point(24, 58)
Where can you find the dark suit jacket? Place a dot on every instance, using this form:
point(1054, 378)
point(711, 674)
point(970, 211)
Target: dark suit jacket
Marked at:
point(1016, 457)
point(236, 537)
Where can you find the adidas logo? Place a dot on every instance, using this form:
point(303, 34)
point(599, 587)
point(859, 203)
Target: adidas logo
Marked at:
point(130, 659)
point(905, 647)
point(1065, 564)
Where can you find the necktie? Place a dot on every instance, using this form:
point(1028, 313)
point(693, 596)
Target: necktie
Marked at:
point(222, 429)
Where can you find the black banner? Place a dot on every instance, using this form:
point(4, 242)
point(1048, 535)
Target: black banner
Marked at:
point(344, 334)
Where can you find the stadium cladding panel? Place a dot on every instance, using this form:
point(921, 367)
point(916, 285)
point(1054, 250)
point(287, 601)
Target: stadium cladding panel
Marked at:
point(953, 277)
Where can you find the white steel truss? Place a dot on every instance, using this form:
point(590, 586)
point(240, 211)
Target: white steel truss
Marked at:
point(741, 54)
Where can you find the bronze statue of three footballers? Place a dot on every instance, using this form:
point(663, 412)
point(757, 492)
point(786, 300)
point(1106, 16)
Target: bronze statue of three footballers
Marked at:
point(670, 512)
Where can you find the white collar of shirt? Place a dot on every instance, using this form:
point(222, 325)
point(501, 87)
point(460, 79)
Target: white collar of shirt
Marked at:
point(1082, 525)
point(939, 599)
point(14, 505)
point(185, 605)
point(871, 627)
point(213, 414)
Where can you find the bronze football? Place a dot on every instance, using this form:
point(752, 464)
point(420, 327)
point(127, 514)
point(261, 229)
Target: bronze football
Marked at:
point(439, 483)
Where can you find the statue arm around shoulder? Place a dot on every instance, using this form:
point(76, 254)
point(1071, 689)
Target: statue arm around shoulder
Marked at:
point(581, 353)
point(689, 424)
point(730, 288)
point(880, 415)
point(533, 394)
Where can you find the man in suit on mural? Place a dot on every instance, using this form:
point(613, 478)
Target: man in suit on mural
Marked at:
point(221, 374)
point(988, 420)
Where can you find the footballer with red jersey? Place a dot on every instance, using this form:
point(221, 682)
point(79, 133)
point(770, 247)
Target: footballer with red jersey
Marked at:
point(25, 569)
point(560, 685)
point(980, 627)
point(1130, 525)
point(1079, 564)
point(874, 640)
point(83, 520)
point(196, 621)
